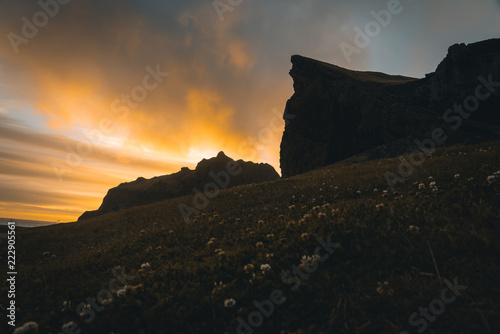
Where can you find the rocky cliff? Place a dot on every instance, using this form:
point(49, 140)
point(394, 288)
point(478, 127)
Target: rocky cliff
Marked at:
point(336, 113)
point(144, 191)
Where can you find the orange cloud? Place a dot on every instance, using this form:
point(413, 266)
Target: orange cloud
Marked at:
point(226, 77)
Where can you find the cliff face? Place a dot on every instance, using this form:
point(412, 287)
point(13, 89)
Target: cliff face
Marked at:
point(337, 113)
point(143, 191)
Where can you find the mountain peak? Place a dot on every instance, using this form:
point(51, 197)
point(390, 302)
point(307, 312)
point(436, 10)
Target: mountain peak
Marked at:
point(219, 162)
point(221, 154)
point(145, 191)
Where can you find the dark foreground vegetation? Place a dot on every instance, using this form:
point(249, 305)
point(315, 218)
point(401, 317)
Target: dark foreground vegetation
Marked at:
point(392, 254)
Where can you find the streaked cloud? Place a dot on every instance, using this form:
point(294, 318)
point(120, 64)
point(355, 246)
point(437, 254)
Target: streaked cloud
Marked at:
point(225, 79)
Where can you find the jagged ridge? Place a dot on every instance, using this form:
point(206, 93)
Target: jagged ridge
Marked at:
point(145, 191)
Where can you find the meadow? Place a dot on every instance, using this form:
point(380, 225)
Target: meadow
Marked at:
point(254, 251)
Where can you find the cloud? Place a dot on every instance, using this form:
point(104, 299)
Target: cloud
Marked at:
point(27, 170)
point(81, 71)
point(91, 54)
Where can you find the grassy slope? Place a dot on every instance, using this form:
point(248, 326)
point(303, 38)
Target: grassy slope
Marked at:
point(459, 223)
point(367, 76)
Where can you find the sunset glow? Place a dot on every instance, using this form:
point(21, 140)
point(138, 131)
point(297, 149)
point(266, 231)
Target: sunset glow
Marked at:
point(87, 104)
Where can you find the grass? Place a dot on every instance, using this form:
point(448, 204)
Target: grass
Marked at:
point(366, 76)
point(455, 234)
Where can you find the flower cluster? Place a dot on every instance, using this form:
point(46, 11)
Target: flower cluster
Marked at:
point(265, 268)
point(218, 288)
point(309, 261)
point(66, 305)
point(493, 177)
point(86, 308)
point(433, 186)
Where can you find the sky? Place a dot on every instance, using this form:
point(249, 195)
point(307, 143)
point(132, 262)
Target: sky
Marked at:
point(94, 93)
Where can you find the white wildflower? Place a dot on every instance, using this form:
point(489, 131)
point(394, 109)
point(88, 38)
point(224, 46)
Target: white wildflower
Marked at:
point(28, 328)
point(66, 305)
point(433, 186)
point(119, 293)
point(218, 288)
point(309, 261)
point(249, 268)
point(265, 268)
point(228, 303)
point(414, 229)
point(86, 308)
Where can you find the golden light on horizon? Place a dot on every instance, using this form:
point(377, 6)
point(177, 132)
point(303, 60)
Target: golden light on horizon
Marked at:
point(90, 67)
